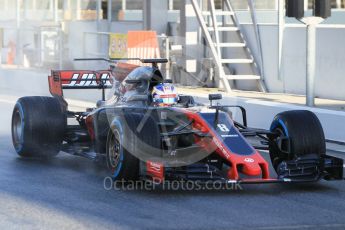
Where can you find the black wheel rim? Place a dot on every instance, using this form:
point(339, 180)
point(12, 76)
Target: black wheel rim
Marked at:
point(114, 150)
point(17, 128)
point(276, 158)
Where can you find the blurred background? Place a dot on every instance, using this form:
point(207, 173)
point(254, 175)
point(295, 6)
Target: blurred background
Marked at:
point(39, 35)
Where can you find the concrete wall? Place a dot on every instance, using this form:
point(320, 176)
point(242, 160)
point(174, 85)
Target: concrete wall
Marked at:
point(330, 68)
point(271, 16)
point(155, 15)
point(30, 82)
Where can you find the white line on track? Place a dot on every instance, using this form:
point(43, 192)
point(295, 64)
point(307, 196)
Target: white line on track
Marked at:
point(328, 226)
point(7, 101)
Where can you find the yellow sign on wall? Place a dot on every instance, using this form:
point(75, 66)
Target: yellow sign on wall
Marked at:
point(118, 46)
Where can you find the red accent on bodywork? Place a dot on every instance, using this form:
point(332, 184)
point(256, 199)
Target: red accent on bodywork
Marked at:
point(121, 70)
point(155, 170)
point(55, 84)
point(61, 79)
point(251, 165)
point(90, 127)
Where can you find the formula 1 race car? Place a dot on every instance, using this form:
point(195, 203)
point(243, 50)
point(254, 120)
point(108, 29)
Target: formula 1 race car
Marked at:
point(144, 133)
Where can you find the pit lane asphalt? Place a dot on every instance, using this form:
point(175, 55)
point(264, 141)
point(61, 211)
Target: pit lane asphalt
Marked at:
point(68, 192)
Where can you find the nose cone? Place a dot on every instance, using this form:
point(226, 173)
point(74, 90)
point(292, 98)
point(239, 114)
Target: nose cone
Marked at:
point(253, 165)
point(251, 169)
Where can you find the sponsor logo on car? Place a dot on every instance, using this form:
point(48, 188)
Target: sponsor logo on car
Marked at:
point(220, 146)
point(155, 166)
point(85, 79)
point(230, 135)
point(249, 160)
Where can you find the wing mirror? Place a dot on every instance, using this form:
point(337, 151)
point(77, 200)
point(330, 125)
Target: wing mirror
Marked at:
point(214, 97)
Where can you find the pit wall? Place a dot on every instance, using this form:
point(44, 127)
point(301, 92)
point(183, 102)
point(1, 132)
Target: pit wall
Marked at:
point(330, 59)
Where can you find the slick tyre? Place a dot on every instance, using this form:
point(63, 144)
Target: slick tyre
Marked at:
point(38, 126)
point(305, 134)
point(125, 145)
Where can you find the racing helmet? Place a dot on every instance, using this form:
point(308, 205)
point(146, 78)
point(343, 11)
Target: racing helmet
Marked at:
point(164, 94)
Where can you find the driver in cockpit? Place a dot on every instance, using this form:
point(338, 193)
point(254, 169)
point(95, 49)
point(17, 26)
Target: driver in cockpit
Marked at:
point(164, 94)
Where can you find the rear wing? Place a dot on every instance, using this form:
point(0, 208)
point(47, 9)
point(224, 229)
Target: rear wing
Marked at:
point(87, 79)
point(78, 79)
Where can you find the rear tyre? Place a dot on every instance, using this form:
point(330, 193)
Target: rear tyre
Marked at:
point(305, 134)
point(38, 126)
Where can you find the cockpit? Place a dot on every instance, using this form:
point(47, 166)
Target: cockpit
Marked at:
point(144, 85)
point(141, 81)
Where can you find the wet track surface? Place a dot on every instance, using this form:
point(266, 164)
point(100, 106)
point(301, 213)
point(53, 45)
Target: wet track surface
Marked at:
point(68, 192)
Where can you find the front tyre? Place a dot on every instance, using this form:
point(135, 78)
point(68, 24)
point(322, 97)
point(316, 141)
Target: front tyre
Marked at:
point(304, 132)
point(123, 165)
point(38, 126)
point(127, 145)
